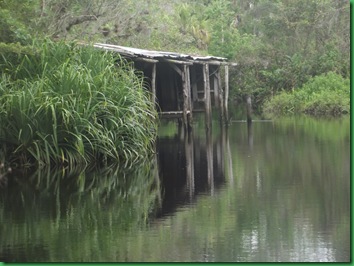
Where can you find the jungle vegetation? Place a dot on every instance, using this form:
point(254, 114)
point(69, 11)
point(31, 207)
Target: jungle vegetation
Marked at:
point(279, 44)
point(293, 56)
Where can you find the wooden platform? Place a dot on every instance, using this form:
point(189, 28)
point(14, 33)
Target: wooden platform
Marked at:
point(171, 114)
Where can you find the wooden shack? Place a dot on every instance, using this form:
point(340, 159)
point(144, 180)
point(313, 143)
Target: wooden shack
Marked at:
point(181, 84)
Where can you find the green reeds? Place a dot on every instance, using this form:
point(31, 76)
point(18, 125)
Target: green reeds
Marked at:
point(71, 105)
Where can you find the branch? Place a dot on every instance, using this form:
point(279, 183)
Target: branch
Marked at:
point(72, 21)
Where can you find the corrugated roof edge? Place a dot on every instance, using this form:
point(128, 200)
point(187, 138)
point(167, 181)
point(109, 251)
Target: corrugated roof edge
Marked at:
point(136, 52)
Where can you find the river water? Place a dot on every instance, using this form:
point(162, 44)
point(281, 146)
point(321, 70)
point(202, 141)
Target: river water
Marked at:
point(270, 191)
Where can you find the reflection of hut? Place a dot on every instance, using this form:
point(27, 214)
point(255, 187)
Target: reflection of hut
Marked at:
point(180, 84)
point(191, 165)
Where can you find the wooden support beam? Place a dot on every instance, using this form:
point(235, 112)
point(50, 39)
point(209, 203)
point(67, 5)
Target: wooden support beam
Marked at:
point(171, 114)
point(221, 101)
point(207, 101)
point(216, 90)
point(187, 102)
point(226, 98)
point(189, 91)
point(176, 68)
point(190, 97)
point(143, 59)
point(178, 113)
point(153, 83)
point(185, 97)
point(210, 62)
point(177, 61)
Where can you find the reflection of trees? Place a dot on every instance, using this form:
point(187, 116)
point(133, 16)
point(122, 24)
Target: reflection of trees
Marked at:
point(273, 211)
point(287, 199)
point(75, 216)
point(296, 176)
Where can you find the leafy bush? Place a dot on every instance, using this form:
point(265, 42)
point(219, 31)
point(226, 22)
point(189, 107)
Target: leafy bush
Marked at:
point(282, 103)
point(327, 94)
point(330, 82)
point(327, 103)
point(71, 105)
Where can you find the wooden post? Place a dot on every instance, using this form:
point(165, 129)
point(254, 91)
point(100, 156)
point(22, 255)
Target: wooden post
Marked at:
point(249, 108)
point(226, 99)
point(189, 93)
point(187, 101)
point(153, 82)
point(216, 91)
point(221, 101)
point(185, 97)
point(207, 102)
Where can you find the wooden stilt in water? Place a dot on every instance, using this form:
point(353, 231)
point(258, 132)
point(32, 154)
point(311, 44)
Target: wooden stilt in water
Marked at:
point(249, 108)
point(153, 82)
point(226, 98)
point(185, 99)
point(187, 102)
point(189, 98)
point(221, 99)
point(216, 90)
point(207, 102)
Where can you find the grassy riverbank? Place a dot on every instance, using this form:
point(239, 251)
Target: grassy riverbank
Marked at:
point(64, 104)
point(324, 95)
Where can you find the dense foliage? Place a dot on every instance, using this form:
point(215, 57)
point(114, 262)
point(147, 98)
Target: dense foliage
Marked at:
point(106, 221)
point(281, 47)
point(327, 94)
point(279, 44)
point(65, 104)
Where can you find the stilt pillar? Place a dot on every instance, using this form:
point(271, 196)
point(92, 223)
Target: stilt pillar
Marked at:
point(221, 98)
point(207, 101)
point(226, 98)
point(153, 83)
point(187, 101)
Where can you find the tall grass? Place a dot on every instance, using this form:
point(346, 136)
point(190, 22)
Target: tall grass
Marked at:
point(66, 104)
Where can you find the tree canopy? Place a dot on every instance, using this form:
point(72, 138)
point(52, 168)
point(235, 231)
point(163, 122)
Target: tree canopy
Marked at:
point(279, 44)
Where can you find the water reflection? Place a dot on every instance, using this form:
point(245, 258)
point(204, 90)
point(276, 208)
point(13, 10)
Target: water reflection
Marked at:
point(191, 164)
point(284, 196)
point(265, 192)
point(74, 215)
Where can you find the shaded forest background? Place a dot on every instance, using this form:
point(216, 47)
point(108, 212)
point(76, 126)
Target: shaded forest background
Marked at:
point(279, 44)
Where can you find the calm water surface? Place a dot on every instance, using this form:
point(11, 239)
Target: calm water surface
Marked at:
point(274, 191)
